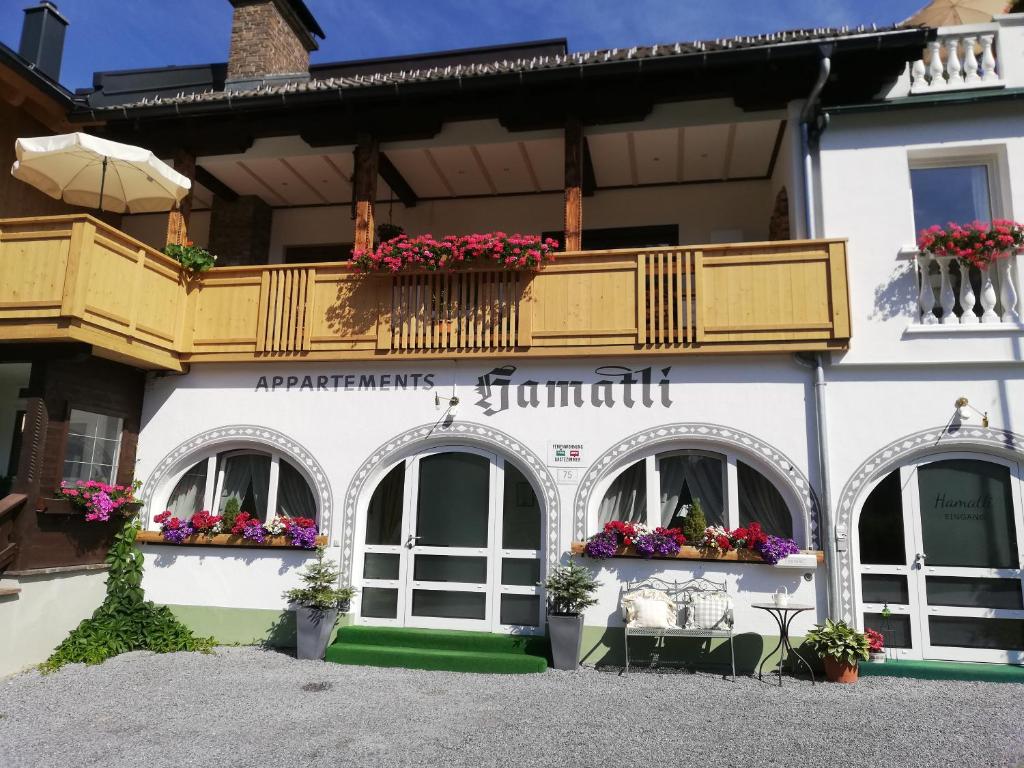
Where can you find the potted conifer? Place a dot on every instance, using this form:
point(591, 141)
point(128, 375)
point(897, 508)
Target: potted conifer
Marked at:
point(317, 605)
point(570, 590)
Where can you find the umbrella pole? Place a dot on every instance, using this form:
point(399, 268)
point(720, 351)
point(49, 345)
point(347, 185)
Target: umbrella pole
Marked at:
point(103, 181)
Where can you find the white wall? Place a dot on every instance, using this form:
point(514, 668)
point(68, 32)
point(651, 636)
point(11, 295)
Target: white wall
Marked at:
point(34, 622)
point(865, 181)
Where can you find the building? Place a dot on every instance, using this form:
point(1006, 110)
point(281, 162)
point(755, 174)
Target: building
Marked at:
point(741, 317)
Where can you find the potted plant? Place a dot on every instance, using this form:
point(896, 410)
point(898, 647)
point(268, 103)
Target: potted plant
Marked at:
point(876, 646)
point(570, 589)
point(317, 605)
point(840, 647)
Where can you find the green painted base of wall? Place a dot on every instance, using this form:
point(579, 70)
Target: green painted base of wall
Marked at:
point(605, 646)
point(242, 626)
point(945, 670)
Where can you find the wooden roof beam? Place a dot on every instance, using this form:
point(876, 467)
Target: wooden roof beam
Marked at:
point(215, 185)
point(396, 181)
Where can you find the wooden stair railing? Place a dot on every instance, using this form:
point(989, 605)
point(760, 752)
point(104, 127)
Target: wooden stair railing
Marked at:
point(9, 504)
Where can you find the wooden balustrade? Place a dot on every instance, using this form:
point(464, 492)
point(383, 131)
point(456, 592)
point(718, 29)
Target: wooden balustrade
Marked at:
point(73, 277)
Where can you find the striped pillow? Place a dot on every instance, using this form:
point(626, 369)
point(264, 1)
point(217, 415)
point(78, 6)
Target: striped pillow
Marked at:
point(710, 610)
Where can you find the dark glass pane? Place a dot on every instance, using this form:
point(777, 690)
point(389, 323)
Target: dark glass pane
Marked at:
point(971, 632)
point(881, 524)
point(885, 588)
point(686, 478)
point(377, 565)
point(626, 497)
point(520, 528)
point(246, 478)
point(453, 500)
point(449, 605)
point(294, 497)
point(895, 628)
point(379, 603)
point(384, 515)
point(974, 593)
point(967, 514)
point(520, 573)
point(523, 610)
point(468, 570)
point(954, 193)
point(761, 502)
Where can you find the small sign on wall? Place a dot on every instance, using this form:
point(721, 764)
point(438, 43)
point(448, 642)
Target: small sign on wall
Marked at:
point(566, 454)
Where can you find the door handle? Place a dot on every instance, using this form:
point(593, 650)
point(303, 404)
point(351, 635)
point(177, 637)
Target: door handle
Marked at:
point(411, 541)
point(919, 559)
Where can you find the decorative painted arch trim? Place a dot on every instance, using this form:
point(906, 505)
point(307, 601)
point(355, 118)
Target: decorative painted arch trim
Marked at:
point(713, 435)
point(260, 436)
point(944, 439)
point(428, 435)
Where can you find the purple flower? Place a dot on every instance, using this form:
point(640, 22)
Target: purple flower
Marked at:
point(303, 537)
point(775, 548)
point(255, 533)
point(651, 544)
point(602, 545)
point(178, 535)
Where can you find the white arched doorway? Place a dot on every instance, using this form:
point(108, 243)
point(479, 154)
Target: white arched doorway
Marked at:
point(451, 537)
point(937, 552)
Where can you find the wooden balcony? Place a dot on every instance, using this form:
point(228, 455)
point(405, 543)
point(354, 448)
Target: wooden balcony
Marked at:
point(75, 278)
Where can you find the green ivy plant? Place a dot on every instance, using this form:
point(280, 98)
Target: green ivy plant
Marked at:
point(837, 640)
point(126, 621)
point(192, 258)
point(570, 589)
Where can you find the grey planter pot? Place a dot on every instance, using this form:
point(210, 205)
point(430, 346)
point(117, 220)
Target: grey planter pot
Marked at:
point(566, 640)
point(313, 631)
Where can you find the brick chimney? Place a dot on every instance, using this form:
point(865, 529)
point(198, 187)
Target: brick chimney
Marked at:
point(270, 42)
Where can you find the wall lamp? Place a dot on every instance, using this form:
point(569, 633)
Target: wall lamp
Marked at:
point(453, 405)
point(964, 409)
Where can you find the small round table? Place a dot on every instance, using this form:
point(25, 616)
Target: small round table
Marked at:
point(784, 616)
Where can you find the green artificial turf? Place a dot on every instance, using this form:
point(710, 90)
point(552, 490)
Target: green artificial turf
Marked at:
point(945, 670)
point(438, 650)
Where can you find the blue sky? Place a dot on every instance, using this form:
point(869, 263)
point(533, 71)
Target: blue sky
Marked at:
point(115, 34)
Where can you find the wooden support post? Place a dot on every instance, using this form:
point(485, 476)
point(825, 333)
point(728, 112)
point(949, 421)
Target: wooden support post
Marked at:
point(573, 185)
point(364, 189)
point(178, 218)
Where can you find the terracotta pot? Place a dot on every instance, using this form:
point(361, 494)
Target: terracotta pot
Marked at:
point(840, 672)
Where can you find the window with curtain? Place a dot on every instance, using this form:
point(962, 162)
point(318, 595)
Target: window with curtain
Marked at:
point(661, 489)
point(264, 482)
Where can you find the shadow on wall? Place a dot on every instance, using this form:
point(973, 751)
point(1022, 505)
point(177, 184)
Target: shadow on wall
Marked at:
point(693, 653)
point(897, 295)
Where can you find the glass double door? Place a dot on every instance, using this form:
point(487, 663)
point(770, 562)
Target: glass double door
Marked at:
point(940, 554)
point(453, 541)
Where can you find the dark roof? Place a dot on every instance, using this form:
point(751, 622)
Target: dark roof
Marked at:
point(501, 60)
point(28, 72)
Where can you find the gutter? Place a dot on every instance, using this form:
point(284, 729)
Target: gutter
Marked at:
point(567, 71)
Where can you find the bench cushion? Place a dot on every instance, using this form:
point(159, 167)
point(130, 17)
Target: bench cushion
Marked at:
point(648, 608)
point(710, 610)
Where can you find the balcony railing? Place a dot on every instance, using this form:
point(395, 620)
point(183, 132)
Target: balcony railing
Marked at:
point(74, 278)
point(959, 58)
point(950, 293)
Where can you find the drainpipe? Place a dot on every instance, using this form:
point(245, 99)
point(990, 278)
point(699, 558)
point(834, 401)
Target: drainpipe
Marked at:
point(807, 115)
point(829, 536)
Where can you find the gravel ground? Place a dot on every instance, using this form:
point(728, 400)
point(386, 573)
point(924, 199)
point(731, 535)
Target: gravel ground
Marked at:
point(249, 707)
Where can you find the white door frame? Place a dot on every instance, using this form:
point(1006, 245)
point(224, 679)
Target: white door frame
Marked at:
point(917, 570)
point(407, 550)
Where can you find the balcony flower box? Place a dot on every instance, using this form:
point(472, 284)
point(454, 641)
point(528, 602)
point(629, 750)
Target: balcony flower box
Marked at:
point(693, 553)
point(225, 540)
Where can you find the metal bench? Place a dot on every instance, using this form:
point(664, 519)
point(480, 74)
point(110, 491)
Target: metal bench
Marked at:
point(681, 594)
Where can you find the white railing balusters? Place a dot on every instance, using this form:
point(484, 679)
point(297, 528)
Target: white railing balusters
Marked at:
point(939, 297)
point(1008, 291)
point(967, 299)
point(953, 62)
point(926, 296)
point(987, 299)
point(947, 299)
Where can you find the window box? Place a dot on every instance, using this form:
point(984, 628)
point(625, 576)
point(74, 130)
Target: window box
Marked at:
point(226, 540)
point(693, 553)
point(50, 506)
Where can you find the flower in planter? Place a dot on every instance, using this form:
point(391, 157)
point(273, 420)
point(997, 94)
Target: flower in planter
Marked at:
point(512, 252)
point(172, 529)
point(775, 548)
point(976, 244)
point(249, 527)
point(717, 539)
point(204, 522)
point(661, 542)
point(302, 531)
point(99, 500)
point(876, 641)
point(614, 535)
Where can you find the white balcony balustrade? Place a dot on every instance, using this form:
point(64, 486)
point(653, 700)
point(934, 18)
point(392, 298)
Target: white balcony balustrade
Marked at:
point(959, 58)
point(986, 297)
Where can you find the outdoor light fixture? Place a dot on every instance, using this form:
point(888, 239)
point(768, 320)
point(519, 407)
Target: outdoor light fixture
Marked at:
point(453, 406)
point(964, 409)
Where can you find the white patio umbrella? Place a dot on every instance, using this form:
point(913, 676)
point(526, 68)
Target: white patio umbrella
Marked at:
point(96, 173)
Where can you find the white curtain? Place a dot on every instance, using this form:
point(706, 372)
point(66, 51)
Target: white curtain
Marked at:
point(761, 502)
point(294, 499)
point(187, 496)
point(979, 193)
point(688, 477)
point(247, 474)
point(626, 498)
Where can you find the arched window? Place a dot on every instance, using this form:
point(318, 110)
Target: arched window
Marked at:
point(660, 490)
point(264, 483)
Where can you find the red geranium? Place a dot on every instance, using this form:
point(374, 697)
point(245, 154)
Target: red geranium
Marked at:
point(204, 522)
